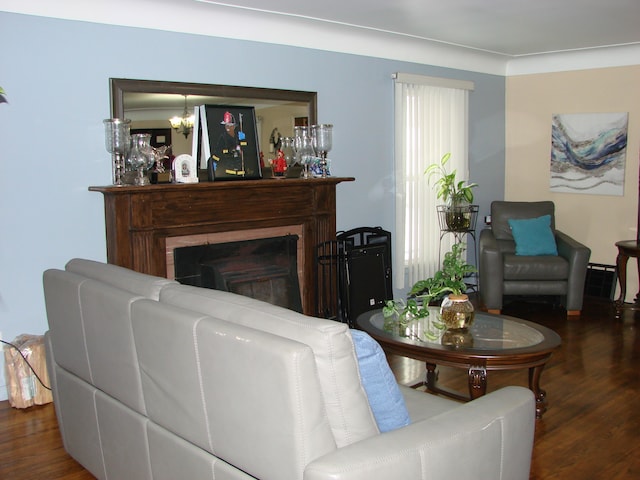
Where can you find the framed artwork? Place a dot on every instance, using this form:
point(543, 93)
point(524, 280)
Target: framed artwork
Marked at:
point(231, 142)
point(588, 153)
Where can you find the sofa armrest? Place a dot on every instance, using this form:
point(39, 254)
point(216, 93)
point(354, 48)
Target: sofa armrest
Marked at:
point(489, 438)
point(578, 256)
point(490, 270)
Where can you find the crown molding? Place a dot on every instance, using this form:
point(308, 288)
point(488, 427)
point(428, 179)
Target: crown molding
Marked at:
point(604, 57)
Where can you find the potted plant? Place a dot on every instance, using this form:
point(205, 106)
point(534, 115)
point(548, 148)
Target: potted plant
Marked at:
point(448, 280)
point(457, 195)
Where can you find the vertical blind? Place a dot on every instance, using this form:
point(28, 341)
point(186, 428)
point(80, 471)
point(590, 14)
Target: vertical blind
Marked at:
point(431, 119)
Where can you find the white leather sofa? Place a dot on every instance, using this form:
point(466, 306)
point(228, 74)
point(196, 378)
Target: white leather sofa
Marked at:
point(157, 380)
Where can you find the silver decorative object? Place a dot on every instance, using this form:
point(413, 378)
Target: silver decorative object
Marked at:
point(141, 157)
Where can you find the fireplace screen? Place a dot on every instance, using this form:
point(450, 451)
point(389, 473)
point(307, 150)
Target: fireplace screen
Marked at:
point(265, 269)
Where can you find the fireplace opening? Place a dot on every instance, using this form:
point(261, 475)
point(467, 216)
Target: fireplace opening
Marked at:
point(264, 268)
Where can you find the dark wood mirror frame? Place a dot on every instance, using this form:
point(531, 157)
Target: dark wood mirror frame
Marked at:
point(121, 85)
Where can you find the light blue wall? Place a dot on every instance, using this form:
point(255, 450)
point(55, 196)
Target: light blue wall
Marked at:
point(56, 75)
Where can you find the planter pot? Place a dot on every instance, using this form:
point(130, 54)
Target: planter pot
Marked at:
point(457, 218)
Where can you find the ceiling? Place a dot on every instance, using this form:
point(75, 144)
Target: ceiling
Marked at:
point(503, 37)
point(505, 27)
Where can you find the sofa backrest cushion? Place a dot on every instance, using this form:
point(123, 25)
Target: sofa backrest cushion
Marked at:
point(502, 212)
point(247, 396)
point(141, 284)
point(346, 403)
point(64, 316)
point(91, 336)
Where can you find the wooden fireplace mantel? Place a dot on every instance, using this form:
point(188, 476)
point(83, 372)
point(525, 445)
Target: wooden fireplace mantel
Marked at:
point(140, 219)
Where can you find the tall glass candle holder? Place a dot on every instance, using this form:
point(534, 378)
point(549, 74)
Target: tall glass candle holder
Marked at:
point(322, 142)
point(303, 147)
point(288, 149)
point(117, 141)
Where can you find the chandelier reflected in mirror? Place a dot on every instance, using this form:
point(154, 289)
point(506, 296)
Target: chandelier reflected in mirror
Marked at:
point(183, 124)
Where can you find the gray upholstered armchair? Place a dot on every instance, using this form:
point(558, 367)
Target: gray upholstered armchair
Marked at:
point(503, 272)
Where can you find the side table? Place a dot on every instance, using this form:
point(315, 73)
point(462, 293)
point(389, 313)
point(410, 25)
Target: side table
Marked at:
point(626, 249)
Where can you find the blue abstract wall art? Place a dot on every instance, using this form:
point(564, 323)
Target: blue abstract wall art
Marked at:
point(588, 153)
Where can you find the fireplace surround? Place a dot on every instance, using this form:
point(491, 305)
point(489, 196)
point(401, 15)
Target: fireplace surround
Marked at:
point(144, 224)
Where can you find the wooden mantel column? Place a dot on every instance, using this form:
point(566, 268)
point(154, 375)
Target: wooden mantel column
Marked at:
point(139, 219)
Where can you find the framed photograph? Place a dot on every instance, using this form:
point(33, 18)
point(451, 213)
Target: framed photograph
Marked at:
point(230, 134)
point(185, 169)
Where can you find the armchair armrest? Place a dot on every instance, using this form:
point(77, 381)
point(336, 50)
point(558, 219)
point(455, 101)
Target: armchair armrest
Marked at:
point(490, 270)
point(489, 438)
point(578, 256)
point(575, 252)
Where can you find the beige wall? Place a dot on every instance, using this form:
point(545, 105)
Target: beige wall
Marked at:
point(596, 220)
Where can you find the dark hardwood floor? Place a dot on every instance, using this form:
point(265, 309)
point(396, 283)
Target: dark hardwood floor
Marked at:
point(591, 429)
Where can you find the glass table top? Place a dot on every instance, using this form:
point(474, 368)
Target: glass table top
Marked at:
point(488, 332)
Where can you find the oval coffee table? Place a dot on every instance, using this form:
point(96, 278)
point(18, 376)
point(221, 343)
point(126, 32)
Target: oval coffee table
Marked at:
point(494, 342)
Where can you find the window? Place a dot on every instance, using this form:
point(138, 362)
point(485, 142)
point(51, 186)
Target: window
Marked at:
point(431, 119)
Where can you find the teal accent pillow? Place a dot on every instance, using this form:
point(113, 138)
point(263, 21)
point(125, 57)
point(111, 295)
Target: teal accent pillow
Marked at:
point(533, 236)
point(385, 399)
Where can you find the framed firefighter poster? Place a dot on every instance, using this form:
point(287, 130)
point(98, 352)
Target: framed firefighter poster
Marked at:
point(230, 142)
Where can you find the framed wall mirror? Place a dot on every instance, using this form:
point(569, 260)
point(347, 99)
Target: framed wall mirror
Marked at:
point(150, 104)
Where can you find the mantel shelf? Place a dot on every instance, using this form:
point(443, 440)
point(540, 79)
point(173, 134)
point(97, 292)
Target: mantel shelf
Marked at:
point(231, 184)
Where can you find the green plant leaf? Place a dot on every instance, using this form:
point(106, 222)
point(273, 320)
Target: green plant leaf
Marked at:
point(446, 186)
point(430, 336)
point(438, 325)
point(390, 308)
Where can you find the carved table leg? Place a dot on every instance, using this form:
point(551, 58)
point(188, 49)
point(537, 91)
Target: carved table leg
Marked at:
point(534, 386)
point(477, 381)
point(621, 264)
point(626, 249)
point(637, 299)
point(431, 378)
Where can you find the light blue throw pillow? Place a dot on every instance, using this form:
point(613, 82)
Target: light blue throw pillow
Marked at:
point(533, 236)
point(385, 399)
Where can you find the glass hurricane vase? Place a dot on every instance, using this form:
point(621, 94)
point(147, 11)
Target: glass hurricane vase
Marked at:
point(322, 142)
point(117, 141)
point(141, 157)
point(303, 147)
point(287, 148)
